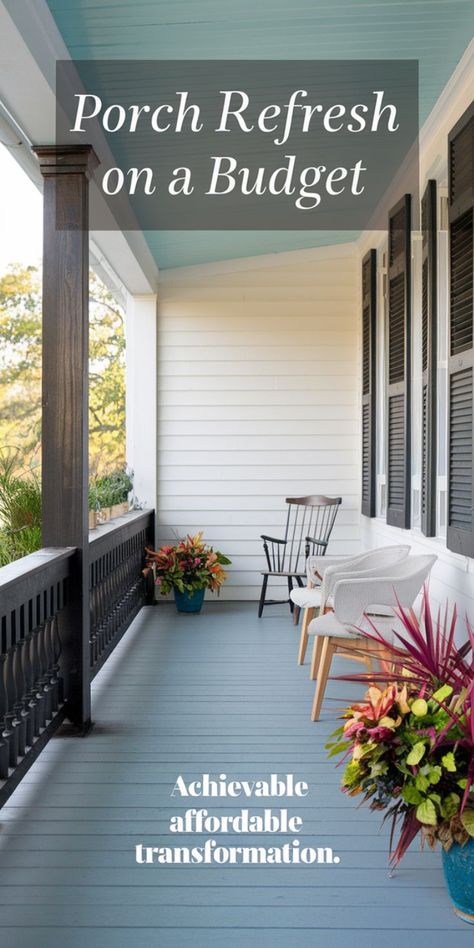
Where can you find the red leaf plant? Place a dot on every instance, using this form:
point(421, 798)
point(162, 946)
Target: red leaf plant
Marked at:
point(409, 748)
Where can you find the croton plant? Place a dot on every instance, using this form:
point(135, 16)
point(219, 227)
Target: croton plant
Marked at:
point(189, 565)
point(409, 747)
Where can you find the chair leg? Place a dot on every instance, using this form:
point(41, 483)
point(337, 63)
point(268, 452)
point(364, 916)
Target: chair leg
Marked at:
point(323, 674)
point(290, 587)
point(297, 610)
point(308, 615)
point(369, 665)
point(316, 657)
point(262, 596)
point(385, 660)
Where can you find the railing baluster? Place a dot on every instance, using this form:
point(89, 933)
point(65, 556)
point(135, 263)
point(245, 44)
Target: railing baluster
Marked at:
point(40, 697)
point(30, 699)
point(19, 707)
point(43, 679)
point(10, 732)
point(4, 748)
point(35, 603)
point(17, 676)
point(117, 589)
point(53, 680)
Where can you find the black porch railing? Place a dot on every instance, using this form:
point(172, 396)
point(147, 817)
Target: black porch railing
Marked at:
point(117, 586)
point(37, 623)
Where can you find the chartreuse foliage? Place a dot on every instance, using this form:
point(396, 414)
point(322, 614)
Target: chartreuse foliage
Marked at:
point(410, 745)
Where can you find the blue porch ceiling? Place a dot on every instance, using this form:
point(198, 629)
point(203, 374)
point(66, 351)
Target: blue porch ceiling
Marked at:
point(436, 32)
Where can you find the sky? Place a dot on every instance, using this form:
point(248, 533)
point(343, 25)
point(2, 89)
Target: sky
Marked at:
point(21, 219)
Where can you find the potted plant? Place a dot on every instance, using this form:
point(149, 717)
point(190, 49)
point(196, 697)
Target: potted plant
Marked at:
point(121, 483)
point(409, 747)
point(187, 570)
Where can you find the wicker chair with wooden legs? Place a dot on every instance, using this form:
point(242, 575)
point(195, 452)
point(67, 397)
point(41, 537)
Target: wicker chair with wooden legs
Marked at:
point(327, 570)
point(357, 602)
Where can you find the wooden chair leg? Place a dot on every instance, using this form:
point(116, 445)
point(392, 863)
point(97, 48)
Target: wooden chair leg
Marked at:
point(262, 596)
point(368, 664)
point(316, 656)
point(296, 615)
point(327, 653)
point(308, 615)
point(385, 660)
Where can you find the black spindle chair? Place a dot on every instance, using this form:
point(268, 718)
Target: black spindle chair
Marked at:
point(309, 525)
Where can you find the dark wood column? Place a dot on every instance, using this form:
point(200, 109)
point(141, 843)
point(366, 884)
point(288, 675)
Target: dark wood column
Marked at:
point(66, 171)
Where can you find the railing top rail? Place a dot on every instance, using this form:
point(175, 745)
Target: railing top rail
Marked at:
point(29, 575)
point(118, 529)
point(26, 576)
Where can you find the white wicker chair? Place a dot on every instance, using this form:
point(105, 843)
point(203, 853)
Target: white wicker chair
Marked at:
point(353, 600)
point(327, 570)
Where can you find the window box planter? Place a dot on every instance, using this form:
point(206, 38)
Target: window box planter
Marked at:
point(118, 510)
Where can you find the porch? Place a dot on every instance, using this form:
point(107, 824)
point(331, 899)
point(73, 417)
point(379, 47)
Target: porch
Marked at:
point(257, 368)
point(219, 692)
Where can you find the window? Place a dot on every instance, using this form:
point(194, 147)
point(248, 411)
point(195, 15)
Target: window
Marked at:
point(399, 364)
point(429, 359)
point(460, 532)
point(369, 353)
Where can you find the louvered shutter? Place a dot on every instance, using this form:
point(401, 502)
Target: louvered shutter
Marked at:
point(399, 369)
point(429, 360)
point(369, 354)
point(461, 337)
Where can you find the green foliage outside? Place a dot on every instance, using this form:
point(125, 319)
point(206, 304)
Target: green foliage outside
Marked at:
point(20, 511)
point(20, 406)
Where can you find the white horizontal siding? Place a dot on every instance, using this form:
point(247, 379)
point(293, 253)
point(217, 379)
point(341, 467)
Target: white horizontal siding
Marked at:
point(270, 414)
point(267, 520)
point(310, 390)
point(337, 460)
point(257, 381)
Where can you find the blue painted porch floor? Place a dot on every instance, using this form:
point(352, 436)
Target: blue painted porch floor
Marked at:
point(219, 692)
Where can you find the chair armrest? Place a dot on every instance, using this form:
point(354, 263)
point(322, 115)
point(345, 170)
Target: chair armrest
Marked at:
point(344, 570)
point(352, 597)
point(272, 539)
point(316, 566)
point(377, 573)
point(322, 543)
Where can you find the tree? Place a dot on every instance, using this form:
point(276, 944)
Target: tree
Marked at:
point(20, 370)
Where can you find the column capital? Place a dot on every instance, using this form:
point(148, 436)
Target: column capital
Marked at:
point(66, 159)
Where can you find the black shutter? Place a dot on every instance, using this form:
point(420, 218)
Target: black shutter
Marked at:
point(429, 360)
point(369, 361)
point(399, 364)
point(461, 337)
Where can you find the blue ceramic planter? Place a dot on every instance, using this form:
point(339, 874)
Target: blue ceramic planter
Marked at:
point(458, 865)
point(189, 602)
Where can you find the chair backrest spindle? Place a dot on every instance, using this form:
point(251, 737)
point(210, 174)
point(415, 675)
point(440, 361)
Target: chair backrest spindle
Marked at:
point(310, 521)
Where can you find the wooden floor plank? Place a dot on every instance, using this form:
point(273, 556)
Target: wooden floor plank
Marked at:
point(349, 918)
point(242, 937)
